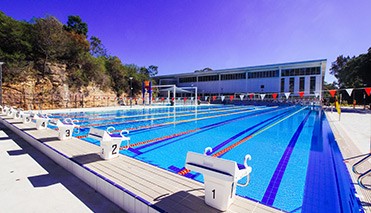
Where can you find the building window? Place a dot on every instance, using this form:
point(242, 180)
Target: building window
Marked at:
point(301, 71)
point(282, 85)
point(233, 76)
point(291, 84)
point(301, 83)
point(312, 84)
point(263, 74)
point(208, 78)
point(187, 79)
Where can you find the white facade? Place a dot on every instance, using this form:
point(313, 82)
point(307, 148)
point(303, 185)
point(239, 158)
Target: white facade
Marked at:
point(306, 76)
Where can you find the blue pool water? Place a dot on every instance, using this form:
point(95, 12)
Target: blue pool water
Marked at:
point(297, 166)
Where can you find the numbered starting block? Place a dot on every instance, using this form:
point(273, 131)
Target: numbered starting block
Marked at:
point(27, 117)
point(18, 114)
point(11, 111)
point(109, 143)
point(41, 121)
point(5, 110)
point(65, 128)
point(220, 177)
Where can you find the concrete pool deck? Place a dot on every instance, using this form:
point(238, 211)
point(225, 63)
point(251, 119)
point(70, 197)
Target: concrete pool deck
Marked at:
point(131, 184)
point(31, 182)
point(353, 135)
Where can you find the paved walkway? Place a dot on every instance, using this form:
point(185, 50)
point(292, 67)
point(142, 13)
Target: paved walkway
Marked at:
point(31, 182)
point(353, 135)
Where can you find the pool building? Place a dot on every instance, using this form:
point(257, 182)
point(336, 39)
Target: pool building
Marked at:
point(293, 77)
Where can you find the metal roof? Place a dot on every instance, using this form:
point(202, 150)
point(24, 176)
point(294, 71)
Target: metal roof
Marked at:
point(251, 68)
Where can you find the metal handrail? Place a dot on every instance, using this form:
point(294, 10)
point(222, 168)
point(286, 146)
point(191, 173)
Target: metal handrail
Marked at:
point(360, 178)
point(358, 163)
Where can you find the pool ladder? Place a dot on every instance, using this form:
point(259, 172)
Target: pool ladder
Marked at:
point(364, 174)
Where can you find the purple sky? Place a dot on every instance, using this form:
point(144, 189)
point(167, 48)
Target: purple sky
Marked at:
point(182, 36)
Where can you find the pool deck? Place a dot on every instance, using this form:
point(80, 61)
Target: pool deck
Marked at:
point(353, 135)
point(159, 189)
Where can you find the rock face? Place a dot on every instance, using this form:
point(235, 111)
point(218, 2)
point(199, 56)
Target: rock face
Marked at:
point(53, 92)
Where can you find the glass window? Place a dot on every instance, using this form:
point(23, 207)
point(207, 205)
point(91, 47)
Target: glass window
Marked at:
point(312, 84)
point(301, 83)
point(282, 85)
point(291, 84)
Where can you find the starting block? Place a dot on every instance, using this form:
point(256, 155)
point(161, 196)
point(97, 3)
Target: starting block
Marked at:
point(109, 143)
point(221, 177)
point(65, 128)
point(41, 121)
point(18, 114)
point(11, 111)
point(4, 110)
point(27, 117)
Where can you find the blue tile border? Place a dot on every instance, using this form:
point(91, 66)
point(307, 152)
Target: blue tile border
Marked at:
point(272, 189)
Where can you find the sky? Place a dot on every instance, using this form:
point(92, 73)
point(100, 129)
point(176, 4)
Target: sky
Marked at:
point(186, 35)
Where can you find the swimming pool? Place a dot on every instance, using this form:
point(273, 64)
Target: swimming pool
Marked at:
point(297, 166)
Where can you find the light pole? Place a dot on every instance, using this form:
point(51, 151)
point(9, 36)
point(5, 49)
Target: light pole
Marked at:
point(1, 83)
point(131, 91)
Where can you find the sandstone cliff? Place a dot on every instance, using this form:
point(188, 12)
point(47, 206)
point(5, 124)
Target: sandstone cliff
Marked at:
point(53, 91)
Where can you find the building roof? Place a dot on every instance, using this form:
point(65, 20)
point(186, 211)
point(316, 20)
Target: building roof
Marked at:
point(298, 64)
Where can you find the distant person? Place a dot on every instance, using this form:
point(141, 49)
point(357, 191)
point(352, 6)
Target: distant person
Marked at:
point(354, 103)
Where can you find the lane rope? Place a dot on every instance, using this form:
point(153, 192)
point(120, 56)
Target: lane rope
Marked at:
point(223, 151)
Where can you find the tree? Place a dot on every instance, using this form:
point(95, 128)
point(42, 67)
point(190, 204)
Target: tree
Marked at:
point(118, 75)
point(352, 72)
point(97, 49)
point(76, 25)
point(15, 48)
point(207, 69)
point(51, 39)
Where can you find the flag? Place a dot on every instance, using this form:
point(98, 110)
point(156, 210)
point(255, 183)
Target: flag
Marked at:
point(337, 105)
point(242, 96)
point(332, 92)
point(262, 96)
point(274, 95)
point(368, 91)
point(287, 94)
point(349, 91)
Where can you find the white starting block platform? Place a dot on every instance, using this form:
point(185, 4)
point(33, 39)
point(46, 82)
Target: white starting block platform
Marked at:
point(27, 117)
point(109, 143)
point(65, 128)
point(221, 177)
point(18, 114)
point(41, 121)
point(11, 112)
point(4, 110)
